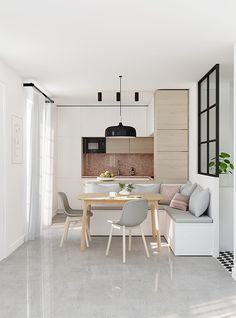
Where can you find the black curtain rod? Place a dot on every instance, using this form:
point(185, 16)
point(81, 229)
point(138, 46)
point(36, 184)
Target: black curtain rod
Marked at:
point(32, 85)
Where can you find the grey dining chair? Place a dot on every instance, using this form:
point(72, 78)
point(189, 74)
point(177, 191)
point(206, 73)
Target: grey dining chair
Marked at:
point(73, 216)
point(133, 215)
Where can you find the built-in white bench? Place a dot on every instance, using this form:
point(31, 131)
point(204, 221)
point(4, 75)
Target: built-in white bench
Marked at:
point(187, 234)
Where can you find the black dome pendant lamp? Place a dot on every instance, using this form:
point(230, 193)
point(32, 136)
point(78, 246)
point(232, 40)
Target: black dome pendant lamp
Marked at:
point(120, 130)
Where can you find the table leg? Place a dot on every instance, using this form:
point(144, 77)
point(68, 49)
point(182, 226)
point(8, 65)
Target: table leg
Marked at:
point(88, 217)
point(157, 222)
point(153, 221)
point(84, 225)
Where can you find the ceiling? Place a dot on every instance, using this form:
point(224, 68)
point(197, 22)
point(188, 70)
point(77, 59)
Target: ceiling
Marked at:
point(79, 47)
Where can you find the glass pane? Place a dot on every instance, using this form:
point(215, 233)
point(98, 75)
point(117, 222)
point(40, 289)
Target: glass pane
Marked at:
point(212, 123)
point(203, 118)
point(212, 157)
point(204, 158)
point(203, 95)
point(212, 88)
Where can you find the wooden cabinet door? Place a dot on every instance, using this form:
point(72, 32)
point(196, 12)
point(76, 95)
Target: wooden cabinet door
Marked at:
point(141, 145)
point(171, 167)
point(171, 109)
point(117, 145)
point(172, 140)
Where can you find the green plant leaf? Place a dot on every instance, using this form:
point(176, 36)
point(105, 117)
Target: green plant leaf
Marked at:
point(224, 155)
point(122, 185)
point(227, 161)
point(231, 166)
point(211, 164)
point(220, 171)
point(223, 165)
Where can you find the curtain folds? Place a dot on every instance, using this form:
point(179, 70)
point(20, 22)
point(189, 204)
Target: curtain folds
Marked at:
point(40, 146)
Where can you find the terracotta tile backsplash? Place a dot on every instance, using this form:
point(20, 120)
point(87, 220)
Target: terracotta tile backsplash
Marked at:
point(95, 163)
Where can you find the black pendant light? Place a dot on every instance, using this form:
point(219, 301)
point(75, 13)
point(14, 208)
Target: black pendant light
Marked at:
point(120, 130)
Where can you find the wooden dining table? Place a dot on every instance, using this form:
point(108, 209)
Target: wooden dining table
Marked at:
point(92, 199)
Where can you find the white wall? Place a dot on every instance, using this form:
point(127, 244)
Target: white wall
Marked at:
point(234, 188)
point(150, 117)
point(205, 181)
point(77, 122)
point(226, 145)
point(15, 174)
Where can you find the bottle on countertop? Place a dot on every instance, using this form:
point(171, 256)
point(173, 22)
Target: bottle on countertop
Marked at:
point(132, 171)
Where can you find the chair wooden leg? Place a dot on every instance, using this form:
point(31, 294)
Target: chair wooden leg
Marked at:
point(87, 237)
point(109, 241)
point(65, 233)
point(130, 238)
point(123, 244)
point(144, 241)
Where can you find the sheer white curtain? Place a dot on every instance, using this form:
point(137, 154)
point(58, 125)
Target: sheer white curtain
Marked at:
point(40, 145)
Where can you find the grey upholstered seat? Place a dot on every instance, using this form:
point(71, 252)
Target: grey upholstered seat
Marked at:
point(67, 209)
point(180, 216)
point(100, 207)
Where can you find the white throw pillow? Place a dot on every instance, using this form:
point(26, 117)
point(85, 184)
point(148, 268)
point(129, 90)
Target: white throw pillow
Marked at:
point(188, 188)
point(104, 188)
point(199, 201)
point(155, 188)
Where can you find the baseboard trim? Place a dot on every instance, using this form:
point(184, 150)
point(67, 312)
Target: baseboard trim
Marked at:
point(215, 253)
point(234, 274)
point(15, 245)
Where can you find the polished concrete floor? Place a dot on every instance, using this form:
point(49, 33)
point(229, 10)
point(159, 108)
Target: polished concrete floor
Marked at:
point(42, 280)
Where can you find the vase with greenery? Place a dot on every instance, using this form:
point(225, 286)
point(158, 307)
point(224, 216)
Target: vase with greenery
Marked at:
point(225, 164)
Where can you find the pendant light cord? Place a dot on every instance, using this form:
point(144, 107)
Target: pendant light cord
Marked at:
point(120, 99)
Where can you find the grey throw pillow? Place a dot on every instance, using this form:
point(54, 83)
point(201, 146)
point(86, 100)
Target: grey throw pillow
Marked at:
point(155, 188)
point(199, 201)
point(188, 188)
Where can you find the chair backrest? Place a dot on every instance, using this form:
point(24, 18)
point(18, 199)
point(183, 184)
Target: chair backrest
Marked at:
point(134, 213)
point(65, 202)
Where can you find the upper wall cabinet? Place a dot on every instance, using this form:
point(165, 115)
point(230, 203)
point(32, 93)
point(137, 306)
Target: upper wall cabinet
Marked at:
point(171, 109)
point(129, 145)
point(141, 145)
point(117, 145)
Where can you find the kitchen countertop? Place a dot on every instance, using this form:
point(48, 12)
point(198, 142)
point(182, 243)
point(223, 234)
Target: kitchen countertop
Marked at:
point(134, 179)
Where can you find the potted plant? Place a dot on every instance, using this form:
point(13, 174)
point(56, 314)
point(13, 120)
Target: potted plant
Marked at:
point(225, 164)
point(126, 189)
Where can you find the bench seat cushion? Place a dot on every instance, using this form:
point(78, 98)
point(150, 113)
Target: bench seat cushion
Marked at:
point(105, 207)
point(180, 216)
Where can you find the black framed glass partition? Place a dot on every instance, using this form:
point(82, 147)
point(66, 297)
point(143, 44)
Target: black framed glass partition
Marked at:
point(208, 123)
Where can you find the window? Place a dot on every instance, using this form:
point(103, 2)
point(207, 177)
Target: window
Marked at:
point(208, 123)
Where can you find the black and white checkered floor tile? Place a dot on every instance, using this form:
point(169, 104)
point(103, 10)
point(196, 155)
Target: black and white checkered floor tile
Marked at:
point(227, 260)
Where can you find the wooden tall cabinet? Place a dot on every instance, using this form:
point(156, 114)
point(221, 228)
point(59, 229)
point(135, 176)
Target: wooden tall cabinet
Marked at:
point(171, 136)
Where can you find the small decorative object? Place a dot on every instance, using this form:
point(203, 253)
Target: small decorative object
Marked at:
point(17, 139)
point(112, 195)
point(225, 165)
point(106, 176)
point(132, 171)
point(126, 189)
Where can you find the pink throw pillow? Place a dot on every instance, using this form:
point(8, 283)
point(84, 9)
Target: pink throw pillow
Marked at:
point(168, 191)
point(180, 201)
